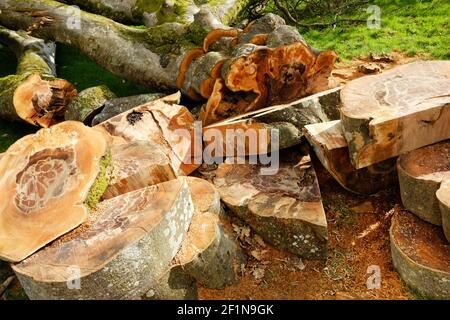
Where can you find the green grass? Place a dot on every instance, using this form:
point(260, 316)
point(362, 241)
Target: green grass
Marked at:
point(411, 26)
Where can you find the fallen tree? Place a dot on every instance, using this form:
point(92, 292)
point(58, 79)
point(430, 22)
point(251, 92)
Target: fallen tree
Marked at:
point(236, 70)
point(33, 94)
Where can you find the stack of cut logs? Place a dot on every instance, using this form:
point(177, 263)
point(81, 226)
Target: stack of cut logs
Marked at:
point(109, 211)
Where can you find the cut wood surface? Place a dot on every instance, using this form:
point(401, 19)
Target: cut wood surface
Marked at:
point(421, 173)
point(331, 149)
point(137, 165)
point(397, 111)
point(57, 171)
point(421, 255)
point(282, 122)
point(443, 196)
point(87, 103)
point(127, 244)
point(162, 122)
point(208, 256)
point(33, 94)
point(284, 207)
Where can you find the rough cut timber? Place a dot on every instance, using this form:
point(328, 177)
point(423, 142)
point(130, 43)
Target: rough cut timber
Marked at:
point(421, 255)
point(58, 171)
point(398, 111)
point(284, 208)
point(137, 165)
point(116, 106)
point(331, 149)
point(119, 253)
point(87, 103)
point(205, 59)
point(33, 94)
point(161, 122)
point(283, 122)
point(156, 12)
point(208, 256)
point(421, 173)
point(443, 196)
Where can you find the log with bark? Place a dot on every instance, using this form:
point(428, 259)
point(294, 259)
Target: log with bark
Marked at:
point(162, 122)
point(120, 253)
point(283, 123)
point(398, 111)
point(237, 71)
point(331, 148)
point(284, 208)
point(421, 173)
point(33, 94)
point(208, 257)
point(66, 169)
point(421, 255)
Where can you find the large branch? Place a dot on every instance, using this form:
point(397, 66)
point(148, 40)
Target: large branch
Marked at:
point(33, 94)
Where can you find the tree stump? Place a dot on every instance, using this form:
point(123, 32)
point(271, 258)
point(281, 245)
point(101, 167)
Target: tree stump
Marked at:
point(123, 249)
point(331, 149)
point(284, 208)
point(421, 255)
point(421, 173)
point(397, 111)
point(63, 169)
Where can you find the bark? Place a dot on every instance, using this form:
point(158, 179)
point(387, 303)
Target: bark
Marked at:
point(113, 107)
point(443, 196)
point(421, 173)
point(33, 94)
point(87, 103)
point(285, 123)
point(160, 122)
point(119, 254)
point(205, 59)
point(331, 149)
point(152, 13)
point(208, 256)
point(421, 255)
point(41, 179)
point(404, 109)
point(138, 165)
point(284, 208)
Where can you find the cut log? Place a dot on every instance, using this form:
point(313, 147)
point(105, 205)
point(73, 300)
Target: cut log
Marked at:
point(235, 77)
point(421, 173)
point(284, 208)
point(117, 106)
point(400, 110)
point(283, 122)
point(120, 253)
point(33, 94)
point(443, 196)
point(137, 165)
point(421, 255)
point(162, 122)
point(331, 149)
point(86, 105)
point(208, 257)
point(61, 170)
point(157, 12)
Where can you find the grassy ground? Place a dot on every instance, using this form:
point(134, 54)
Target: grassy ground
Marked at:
point(412, 26)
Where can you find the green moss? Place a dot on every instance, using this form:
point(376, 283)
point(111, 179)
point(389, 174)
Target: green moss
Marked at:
point(32, 63)
point(101, 182)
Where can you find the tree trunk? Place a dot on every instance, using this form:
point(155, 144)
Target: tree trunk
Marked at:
point(443, 196)
point(284, 208)
point(119, 254)
point(41, 179)
point(398, 111)
point(152, 13)
point(421, 173)
point(421, 255)
point(284, 123)
point(33, 94)
point(236, 70)
point(331, 148)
